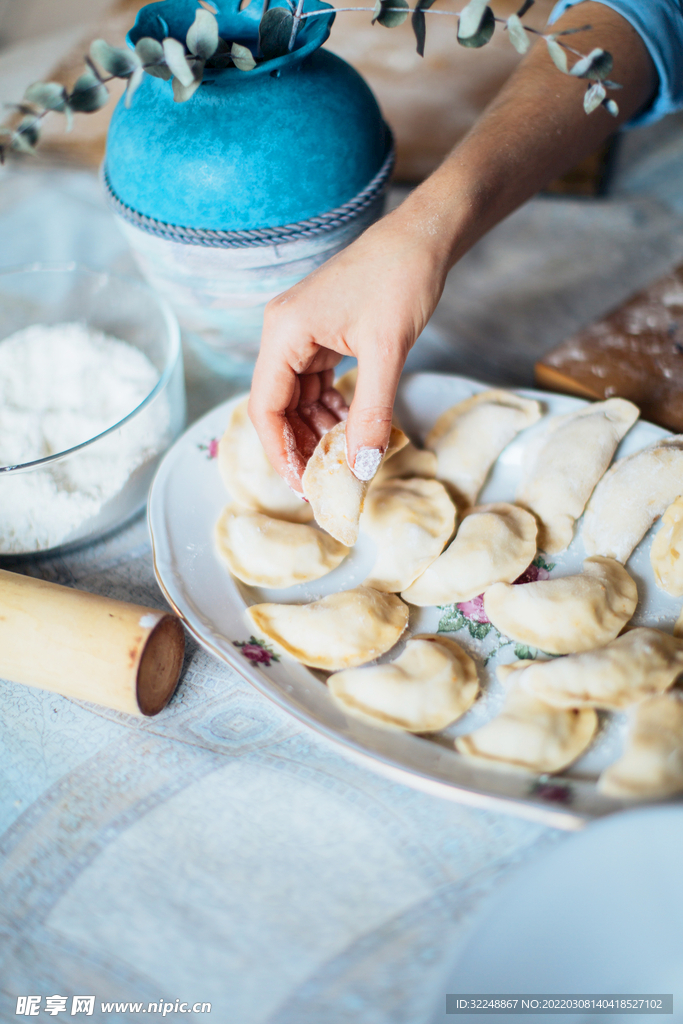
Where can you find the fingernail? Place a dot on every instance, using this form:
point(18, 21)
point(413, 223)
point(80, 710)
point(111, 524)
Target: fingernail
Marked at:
point(367, 463)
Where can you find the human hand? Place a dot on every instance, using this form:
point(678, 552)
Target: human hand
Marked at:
point(371, 301)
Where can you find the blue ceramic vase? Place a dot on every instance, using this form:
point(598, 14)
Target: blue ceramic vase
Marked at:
point(232, 196)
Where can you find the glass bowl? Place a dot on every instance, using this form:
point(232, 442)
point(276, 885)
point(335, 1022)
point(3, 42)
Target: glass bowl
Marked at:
point(71, 497)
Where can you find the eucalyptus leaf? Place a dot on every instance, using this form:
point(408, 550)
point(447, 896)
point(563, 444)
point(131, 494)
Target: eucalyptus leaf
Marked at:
point(222, 57)
point(88, 94)
point(242, 57)
point(558, 55)
point(133, 84)
point(526, 6)
point(594, 96)
point(174, 52)
point(384, 15)
point(517, 33)
point(275, 32)
point(471, 18)
point(611, 107)
point(182, 93)
point(483, 34)
point(48, 95)
point(597, 64)
point(114, 59)
point(26, 135)
point(151, 53)
point(202, 35)
point(419, 24)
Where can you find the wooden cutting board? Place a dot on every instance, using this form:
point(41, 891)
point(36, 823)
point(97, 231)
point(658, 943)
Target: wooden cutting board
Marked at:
point(634, 352)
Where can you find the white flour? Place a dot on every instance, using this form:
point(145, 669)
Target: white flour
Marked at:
point(59, 386)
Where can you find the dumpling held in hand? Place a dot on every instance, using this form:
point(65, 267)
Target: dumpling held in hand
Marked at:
point(335, 493)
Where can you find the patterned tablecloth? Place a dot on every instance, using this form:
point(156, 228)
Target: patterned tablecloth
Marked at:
point(221, 852)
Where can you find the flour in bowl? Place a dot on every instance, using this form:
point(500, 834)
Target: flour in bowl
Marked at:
point(61, 385)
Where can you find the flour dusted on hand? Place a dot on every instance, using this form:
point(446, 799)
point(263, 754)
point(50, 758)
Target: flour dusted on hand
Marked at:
point(62, 385)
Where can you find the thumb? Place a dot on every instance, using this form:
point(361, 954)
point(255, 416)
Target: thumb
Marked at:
point(369, 421)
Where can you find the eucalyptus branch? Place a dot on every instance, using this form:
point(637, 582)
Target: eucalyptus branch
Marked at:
point(183, 62)
point(298, 15)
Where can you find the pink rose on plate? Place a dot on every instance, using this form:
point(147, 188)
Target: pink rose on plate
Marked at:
point(213, 448)
point(256, 651)
point(474, 609)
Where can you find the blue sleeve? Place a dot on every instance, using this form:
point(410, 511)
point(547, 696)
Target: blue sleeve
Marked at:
point(660, 25)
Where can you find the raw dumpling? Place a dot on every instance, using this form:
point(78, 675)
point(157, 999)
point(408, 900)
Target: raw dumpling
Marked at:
point(267, 552)
point(640, 664)
point(409, 521)
point(652, 763)
point(568, 614)
point(631, 495)
point(667, 550)
point(249, 476)
point(409, 462)
point(336, 632)
point(468, 438)
point(573, 457)
point(532, 735)
point(494, 542)
point(432, 683)
point(335, 494)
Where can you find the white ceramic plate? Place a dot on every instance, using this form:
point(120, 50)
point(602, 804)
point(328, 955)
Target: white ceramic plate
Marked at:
point(600, 914)
point(186, 499)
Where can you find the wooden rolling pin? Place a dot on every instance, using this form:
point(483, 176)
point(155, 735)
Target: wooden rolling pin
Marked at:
point(123, 656)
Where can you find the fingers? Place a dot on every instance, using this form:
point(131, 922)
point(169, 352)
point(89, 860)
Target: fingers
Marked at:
point(275, 390)
point(318, 417)
point(330, 398)
point(369, 421)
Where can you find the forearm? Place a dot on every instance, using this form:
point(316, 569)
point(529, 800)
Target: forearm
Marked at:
point(534, 130)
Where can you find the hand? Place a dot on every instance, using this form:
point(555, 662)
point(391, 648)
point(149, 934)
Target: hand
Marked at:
point(370, 301)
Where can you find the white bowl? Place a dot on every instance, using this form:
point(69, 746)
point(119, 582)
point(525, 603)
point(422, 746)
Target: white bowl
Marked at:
point(40, 515)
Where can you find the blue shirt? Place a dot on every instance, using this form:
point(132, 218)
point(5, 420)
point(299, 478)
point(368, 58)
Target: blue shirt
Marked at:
point(660, 24)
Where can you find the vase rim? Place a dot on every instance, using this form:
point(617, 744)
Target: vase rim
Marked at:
point(155, 20)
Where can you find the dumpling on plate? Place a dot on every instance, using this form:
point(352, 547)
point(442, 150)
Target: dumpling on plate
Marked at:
point(409, 521)
point(431, 684)
point(651, 766)
point(566, 614)
point(630, 496)
point(335, 494)
point(494, 542)
point(338, 631)
point(468, 438)
point(666, 553)
point(531, 735)
point(574, 455)
point(249, 476)
point(407, 463)
point(640, 664)
point(267, 552)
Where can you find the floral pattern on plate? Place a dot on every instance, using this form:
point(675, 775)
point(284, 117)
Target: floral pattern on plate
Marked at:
point(472, 615)
point(256, 651)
